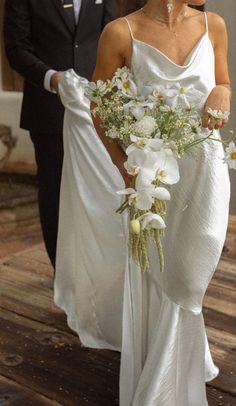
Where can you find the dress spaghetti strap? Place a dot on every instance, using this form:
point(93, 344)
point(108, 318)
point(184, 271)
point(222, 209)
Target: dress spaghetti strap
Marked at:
point(130, 29)
point(206, 20)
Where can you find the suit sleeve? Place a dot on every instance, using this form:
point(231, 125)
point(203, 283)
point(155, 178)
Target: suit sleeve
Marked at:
point(18, 42)
point(109, 11)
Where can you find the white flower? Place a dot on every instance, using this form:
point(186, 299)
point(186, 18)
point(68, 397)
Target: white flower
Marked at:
point(230, 155)
point(156, 97)
point(151, 165)
point(146, 126)
point(113, 133)
point(135, 108)
point(152, 220)
point(95, 90)
point(165, 109)
point(127, 87)
point(143, 199)
point(136, 159)
point(161, 193)
point(185, 97)
point(123, 73)
point(153, 144)
point(176, 95)
point(218, 114)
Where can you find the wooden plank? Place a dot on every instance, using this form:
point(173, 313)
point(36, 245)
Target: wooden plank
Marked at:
point(225, 275)
point(225, 359)
point(78, 371)
point(13, 394)
point(219, 297)
point(27, 293)
point(219, 320)
point(25, 280)
point(54, 363)
point(221, 338)
point(34, 262)
point(218, 398)
point(229, 250)
point(232, 224)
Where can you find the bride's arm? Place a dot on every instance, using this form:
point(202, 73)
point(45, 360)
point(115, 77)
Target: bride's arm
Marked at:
point(112, 49)
point(220, 97)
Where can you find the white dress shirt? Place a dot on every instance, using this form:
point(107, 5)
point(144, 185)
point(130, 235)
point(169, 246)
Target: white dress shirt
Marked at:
point(50, 72)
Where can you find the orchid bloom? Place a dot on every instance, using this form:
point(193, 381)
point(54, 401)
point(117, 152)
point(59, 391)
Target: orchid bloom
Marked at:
point(152, 165)
point(149, 144)
point(143, 199)
point(151, 220)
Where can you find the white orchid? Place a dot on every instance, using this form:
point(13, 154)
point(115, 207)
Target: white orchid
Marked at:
point(151, 220)
point(149, 144)
point(230, 155)
point(152, 165)
point(143, 199)
point(218, 114)
point(136, 159)
point(176, 95)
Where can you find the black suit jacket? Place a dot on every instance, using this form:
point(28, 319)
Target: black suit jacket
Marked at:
point(38, 37)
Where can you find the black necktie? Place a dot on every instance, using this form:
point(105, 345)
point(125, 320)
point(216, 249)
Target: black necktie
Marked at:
point(68, 7)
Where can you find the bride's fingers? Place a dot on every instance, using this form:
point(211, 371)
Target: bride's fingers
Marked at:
point(211, 123)
point(205, 119)
point(218, 124)
point(224, 122)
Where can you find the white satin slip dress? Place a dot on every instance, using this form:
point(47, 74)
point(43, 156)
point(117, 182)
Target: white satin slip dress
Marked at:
point(155, 319)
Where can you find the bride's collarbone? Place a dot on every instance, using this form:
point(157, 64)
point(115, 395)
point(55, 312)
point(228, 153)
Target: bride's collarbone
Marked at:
point(176, 49)
point(177, 45)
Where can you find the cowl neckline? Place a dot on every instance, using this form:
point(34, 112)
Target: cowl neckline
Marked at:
point(190, 57)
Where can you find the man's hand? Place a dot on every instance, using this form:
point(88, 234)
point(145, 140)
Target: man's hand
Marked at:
point(54, 81)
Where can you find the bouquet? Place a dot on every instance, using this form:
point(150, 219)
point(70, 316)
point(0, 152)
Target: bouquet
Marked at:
point(156, 126)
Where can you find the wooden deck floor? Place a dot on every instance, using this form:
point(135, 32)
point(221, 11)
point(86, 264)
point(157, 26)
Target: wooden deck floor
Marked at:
point(42, 361)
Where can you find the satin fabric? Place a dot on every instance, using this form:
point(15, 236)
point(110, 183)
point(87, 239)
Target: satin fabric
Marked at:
point(154, 318)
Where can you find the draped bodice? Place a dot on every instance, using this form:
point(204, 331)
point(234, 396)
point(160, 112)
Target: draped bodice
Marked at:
point(151, 66)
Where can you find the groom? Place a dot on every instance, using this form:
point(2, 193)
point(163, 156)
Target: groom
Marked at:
point(43, 38)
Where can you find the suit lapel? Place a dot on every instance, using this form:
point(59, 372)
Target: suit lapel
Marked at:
point(59, 7)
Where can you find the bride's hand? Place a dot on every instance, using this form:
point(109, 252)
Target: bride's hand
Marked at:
point(219, 99)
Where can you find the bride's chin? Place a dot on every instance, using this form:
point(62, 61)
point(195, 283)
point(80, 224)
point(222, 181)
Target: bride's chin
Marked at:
point(196, 2)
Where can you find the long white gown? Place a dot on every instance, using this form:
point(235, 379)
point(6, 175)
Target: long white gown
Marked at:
point(155, 319)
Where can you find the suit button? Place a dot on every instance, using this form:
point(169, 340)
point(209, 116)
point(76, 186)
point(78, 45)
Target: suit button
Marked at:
point(76, 45)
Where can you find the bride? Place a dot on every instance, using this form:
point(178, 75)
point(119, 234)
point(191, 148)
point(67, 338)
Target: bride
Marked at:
point(155, 319)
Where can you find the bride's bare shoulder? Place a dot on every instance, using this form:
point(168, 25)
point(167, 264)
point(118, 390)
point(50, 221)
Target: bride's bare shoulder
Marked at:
point(215, 21)
point(116, 31)
point(217, 28)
